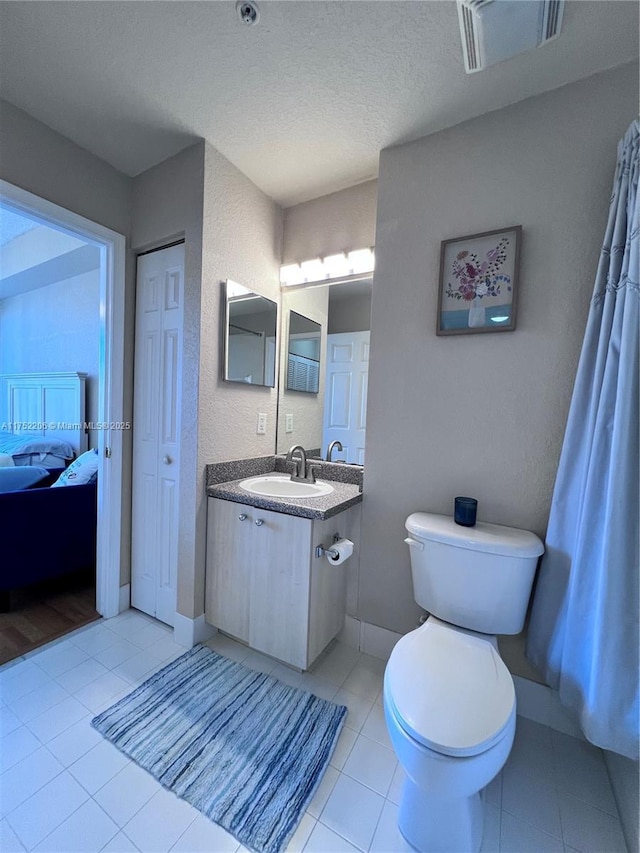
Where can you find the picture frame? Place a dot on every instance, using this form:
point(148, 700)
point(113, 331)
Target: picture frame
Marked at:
point(478, 283)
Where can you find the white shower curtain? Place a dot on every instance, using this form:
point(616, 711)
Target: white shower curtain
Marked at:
point(584, 632)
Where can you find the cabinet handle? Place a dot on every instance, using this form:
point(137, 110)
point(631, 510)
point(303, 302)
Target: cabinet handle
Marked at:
point(167, 460)
point(242, 516)
point(259, 522)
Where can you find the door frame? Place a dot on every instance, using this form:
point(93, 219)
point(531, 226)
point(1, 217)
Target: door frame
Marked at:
point(112, 246)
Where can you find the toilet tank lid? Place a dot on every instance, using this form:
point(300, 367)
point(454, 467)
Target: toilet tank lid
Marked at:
point(485, 538)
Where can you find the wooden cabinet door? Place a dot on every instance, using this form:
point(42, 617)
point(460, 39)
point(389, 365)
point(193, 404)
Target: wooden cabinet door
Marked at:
point(230, 558)
point(279, 599)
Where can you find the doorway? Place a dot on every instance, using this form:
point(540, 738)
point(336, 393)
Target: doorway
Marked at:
point(109, 437)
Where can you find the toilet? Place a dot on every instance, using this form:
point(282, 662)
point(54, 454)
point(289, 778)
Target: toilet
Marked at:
point(449, 699)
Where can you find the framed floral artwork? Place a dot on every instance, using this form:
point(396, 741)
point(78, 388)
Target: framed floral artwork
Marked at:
point(478, 282)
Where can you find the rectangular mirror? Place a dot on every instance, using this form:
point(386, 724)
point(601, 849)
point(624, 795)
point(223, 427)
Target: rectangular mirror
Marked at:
point(250, 337)
point(341, 315)
point(303, 354)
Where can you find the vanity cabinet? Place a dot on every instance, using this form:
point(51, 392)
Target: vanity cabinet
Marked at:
point(266, 587)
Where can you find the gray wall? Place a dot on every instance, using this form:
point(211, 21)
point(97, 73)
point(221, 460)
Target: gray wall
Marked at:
point(55, 328)
point(334, 223)
point(349, 313)
point(481, 414)
point(242, 240)
point(44, 162)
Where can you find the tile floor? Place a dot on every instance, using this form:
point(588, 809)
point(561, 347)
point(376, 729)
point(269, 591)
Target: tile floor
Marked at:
point(63, 788)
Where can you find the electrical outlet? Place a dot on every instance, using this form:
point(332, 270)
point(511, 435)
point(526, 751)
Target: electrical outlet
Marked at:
point(288, 423)
point(262, 423)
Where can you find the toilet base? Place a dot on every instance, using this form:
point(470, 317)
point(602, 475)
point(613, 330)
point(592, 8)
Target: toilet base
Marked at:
point(434, 825)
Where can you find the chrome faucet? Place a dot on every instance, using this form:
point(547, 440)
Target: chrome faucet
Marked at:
point(303, 471)
point(333, 444)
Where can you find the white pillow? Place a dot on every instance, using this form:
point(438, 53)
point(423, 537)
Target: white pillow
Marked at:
point(83, 470)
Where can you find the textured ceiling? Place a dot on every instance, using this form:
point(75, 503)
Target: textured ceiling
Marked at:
point(302, 103)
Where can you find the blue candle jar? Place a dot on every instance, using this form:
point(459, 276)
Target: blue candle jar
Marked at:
point(465, 510)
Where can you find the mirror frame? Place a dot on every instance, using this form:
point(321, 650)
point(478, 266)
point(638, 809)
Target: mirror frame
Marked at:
point(226, 318)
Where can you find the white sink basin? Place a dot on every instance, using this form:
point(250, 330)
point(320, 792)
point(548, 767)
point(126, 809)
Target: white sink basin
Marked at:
point(284, 487)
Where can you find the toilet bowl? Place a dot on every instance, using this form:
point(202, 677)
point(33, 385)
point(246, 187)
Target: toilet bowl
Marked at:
point(449, 700)
point(450, 709)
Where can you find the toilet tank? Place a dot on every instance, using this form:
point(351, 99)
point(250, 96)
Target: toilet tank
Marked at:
point(475, 577)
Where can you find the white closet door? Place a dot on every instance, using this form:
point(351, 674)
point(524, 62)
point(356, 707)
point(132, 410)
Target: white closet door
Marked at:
point(345, 396)
point(156, 432)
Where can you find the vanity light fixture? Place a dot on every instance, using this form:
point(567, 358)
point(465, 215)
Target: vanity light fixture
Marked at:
point(346, 266)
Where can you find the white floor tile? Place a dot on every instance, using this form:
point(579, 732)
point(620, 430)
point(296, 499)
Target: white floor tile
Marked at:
point(589, 829)
point(9, 841)
point(204, 836)
point(395, 789)
point(57, 719)
point(259, 662)
point(95, 639)
point(98, 766)
point(357, 706)
point(21, 679)
point(365, 679)
point(74, 742)
point(375, 727)
point(117, 653)
point(344, 746)
point(126, 793)
point(534, 700)
point(491, 834)
point(518, 836)
point(17, 745)
point(8, 721)
point(336, 665)
point(318, 686)
point(581, 772)
point(60, 658)
point(371, 764)
point(100, 691)
point(324, 840)
point(301, 835)
point(27, 777)
point(532, 799)
point(493, 792)
point(168, 649)
point(323, 792)
point(47, 809)
point(86, 831)
point(120, 843)
point(149, 634)
point(160, 823)
point(137, 668)
point(33, 704)
point(228, 647)
point(388, 838)
point(81, 675)
point(353, 811)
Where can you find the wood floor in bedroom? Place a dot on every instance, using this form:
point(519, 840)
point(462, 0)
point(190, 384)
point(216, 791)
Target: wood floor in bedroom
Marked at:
point(44, 612)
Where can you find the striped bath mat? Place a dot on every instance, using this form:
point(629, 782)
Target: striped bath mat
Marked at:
point(240, 746)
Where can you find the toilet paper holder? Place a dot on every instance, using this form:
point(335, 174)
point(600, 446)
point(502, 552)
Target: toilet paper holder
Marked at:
point(321, 550)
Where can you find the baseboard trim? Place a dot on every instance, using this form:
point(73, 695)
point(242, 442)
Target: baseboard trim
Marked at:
point(189, 632)
point(124, 601)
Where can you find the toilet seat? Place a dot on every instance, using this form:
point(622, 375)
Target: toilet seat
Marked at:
point(449, 689)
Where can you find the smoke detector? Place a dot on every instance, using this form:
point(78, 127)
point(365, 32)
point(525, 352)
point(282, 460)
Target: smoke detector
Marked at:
point(495, 30)
point(248, 12)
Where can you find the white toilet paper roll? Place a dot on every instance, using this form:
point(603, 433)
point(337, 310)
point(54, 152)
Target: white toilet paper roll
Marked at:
point(342, 549)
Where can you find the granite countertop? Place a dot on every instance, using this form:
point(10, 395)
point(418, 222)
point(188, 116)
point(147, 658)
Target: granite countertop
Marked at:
point(343, 496)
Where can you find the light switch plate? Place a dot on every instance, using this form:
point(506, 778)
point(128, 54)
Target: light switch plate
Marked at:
point(262, 423)
point(288, 423)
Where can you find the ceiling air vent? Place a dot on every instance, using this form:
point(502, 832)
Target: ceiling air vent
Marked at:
point(495, 30)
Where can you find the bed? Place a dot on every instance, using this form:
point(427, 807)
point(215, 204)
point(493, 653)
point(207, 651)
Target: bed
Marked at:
point(44, 532)
point(42, 419)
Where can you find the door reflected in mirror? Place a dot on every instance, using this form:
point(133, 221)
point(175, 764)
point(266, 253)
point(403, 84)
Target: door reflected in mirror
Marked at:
point(341, 316)
point(303, 354)
point(250, 337)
